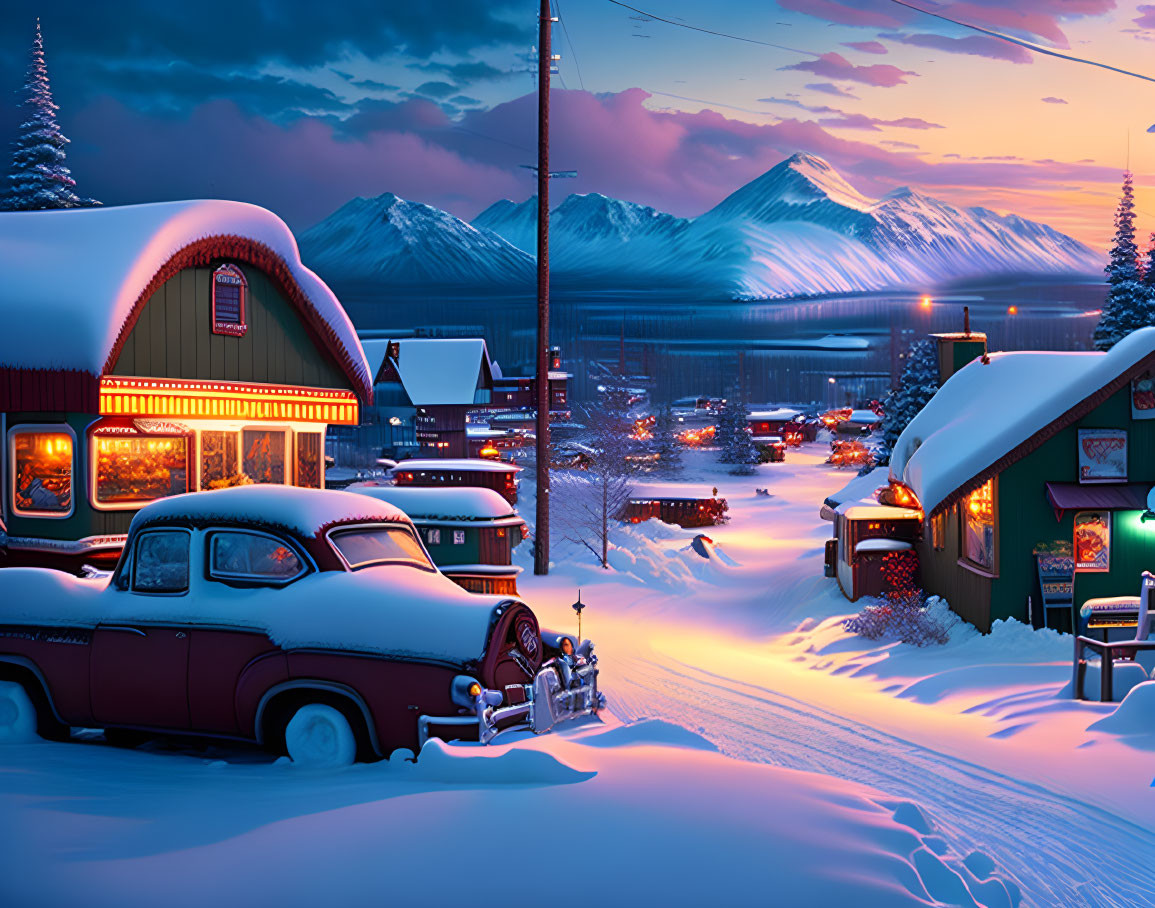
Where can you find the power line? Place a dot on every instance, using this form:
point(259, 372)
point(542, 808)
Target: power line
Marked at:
point(707, 31)
point(569, 41)
point(1010, 39)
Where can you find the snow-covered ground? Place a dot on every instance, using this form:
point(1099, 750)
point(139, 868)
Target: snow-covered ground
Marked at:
point(754, 754)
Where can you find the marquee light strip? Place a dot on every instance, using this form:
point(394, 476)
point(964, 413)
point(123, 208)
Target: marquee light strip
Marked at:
point(187, 399)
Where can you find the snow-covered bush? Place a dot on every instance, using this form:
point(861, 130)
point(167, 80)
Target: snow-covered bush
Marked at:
point(906, 613)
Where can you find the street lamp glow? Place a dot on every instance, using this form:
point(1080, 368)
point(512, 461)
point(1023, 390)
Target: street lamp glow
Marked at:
point(925, 302)
point(831, 380)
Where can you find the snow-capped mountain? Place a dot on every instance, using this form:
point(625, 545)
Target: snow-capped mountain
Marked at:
point(592, 236)
point(392, 240)
point(798, 229)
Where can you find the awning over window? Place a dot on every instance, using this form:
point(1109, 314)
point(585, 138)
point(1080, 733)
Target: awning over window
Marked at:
point(1072, 496)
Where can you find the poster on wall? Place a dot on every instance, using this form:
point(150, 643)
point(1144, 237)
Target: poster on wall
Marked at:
point(1093, 542)
point(1143, 396)
point(1102, 455)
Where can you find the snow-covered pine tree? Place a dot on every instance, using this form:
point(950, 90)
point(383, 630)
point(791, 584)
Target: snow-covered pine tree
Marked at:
point(1128, 303)
point(732, 434)
point(665, 442)
point(916, 385)
point(38, 178)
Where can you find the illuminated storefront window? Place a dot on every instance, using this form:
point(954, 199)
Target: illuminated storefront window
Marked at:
point(132, 469)
point(41, 472)
point(309, 460)
point(218, 459)
point(264, 455)
point(978, 516)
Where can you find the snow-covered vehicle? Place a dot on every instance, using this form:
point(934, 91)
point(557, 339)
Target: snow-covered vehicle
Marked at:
point(311, 622)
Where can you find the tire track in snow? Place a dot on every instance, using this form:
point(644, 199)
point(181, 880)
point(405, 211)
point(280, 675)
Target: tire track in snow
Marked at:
point(1049, 842)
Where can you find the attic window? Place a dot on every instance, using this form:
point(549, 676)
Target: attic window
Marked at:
point(229, 291)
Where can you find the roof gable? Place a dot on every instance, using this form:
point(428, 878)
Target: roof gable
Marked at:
point(76, 280)
point(443, 371)
point(989, 415)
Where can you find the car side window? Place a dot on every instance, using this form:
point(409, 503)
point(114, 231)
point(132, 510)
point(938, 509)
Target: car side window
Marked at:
point(252, 557)
point(160, 564)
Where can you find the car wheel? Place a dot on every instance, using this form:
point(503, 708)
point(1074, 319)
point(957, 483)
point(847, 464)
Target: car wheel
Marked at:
point(320, 736)
point(17, 714)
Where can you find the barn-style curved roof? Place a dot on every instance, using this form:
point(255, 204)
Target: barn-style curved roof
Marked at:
point(75, 281)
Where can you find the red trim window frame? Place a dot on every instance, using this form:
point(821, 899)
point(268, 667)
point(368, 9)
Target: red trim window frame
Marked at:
point(228, 278)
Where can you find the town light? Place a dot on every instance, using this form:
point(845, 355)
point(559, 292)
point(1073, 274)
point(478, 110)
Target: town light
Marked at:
point(925, 302)
point(1012, 310)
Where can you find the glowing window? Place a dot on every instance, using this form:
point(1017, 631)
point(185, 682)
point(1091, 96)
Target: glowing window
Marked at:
point(41, 472)
point(133, 469)
point(978, 517)
point(229, 291)
point(433, 537)
point(365, 545)
point(309, 460)
point(219, 463)
point(264, 455)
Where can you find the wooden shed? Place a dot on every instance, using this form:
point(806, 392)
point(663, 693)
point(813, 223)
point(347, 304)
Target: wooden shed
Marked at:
point(152, 350)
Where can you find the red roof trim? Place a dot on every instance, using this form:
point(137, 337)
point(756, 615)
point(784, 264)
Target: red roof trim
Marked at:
point(240, 248)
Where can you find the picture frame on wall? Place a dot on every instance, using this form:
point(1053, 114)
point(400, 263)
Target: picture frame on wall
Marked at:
point(1092, 542)
point(1102, 455)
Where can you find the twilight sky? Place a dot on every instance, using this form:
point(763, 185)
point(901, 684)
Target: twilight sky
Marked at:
point(299, 106)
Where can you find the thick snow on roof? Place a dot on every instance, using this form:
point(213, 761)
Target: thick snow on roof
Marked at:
point(442, 370)
point(779, 413)
point(985, 411)
point(303, 511)
point(866, 417)
point(453, 503)
point(861, 488)
point(474, 464)
point(71, 278)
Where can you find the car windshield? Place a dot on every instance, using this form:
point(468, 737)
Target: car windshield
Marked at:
point(365, 545)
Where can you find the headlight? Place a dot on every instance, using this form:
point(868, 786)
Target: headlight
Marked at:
point(464, 691)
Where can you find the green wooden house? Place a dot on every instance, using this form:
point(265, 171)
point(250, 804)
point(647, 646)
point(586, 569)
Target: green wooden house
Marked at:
point(151, 350)
point(1026, 455)
point(470, 533)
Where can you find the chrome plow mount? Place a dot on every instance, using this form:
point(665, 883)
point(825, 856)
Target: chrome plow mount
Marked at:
point(562, 689)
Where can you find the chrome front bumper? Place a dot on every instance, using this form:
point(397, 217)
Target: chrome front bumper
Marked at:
point(548, 701)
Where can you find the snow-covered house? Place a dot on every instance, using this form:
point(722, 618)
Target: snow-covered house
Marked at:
point(1022, 455)
point(155, 349)
point(441, 379)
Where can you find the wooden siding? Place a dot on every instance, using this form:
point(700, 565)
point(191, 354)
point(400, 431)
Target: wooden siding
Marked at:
point(173, 337)
point(968, 592)
point(1027, 518)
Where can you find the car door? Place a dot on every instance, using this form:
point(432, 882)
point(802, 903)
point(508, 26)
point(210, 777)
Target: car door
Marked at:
point(243, 568)
point(139, 668)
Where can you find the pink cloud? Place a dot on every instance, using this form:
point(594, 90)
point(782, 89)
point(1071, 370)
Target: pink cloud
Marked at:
point(867, 47)
point(975, 45)
point(861, 121)
point(1051, 100)
point(1146, 17)
point(880, 13)
point(676, 161)
point(829, 88)
point(833, 65)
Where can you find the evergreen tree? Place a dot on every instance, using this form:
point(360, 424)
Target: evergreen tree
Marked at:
point(38, 178)
point(916, 386)
point(1128, 305)
point(733, 435)
point(665, 442)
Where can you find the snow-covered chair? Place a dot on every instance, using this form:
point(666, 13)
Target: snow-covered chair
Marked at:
point(1123, 651)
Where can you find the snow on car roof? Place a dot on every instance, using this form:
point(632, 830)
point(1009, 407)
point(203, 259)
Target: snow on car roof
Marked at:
point(452, 503)
point(72, 278)
point(441, 370)
point(780, 413)
point(463, 463)
point(985, 411)
point(863, 416)
point(306, 512)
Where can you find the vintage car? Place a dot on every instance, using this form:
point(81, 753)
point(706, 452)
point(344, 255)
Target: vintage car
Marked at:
point(311, 622)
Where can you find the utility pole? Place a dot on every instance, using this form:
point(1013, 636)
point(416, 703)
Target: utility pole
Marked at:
point(544, 66)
